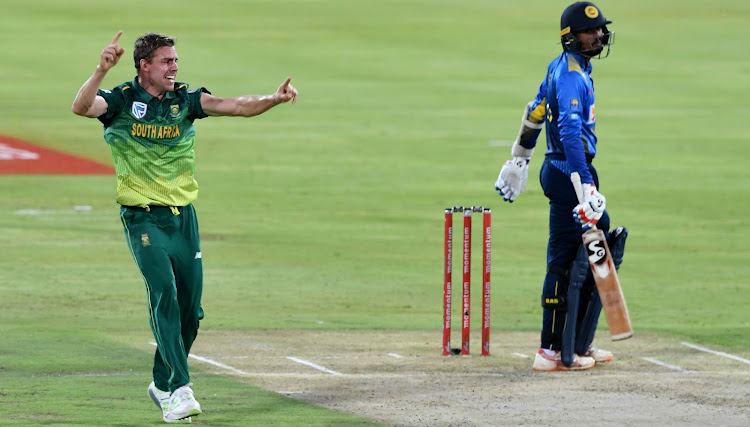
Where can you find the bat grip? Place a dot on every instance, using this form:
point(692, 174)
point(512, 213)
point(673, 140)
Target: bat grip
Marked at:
point(575, 178)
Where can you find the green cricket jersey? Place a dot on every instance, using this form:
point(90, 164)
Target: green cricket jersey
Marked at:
point(153, 143)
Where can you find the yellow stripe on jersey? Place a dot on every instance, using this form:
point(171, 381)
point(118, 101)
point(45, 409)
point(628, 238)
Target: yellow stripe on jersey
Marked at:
point(574, 65)
point(537, 114)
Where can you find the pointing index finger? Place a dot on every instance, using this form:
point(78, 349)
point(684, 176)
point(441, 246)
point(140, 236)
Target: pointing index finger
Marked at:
point(117, 37)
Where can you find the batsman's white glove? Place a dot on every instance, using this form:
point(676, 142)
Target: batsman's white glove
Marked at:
point(588, 213)
point(512, 179)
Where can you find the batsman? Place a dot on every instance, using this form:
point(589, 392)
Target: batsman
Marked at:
point(564, 106)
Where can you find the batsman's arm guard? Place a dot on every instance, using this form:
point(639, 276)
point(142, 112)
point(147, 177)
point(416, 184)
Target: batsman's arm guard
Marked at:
point(531, 125)
point(515, 172)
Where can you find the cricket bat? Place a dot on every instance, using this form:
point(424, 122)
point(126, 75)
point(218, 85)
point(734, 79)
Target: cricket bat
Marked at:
point(605, 276)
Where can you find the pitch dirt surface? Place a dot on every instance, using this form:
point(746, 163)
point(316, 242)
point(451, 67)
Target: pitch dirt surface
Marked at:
point(400, 379)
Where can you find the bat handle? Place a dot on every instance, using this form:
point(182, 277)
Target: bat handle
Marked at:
point(575, 178)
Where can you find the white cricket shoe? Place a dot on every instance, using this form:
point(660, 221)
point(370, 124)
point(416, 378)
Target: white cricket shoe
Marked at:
point(599, 355)
point(161, 399)
point(543, 362)
point(182, 405)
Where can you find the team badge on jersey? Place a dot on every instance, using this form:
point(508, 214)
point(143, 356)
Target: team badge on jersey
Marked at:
point(144, 240)
point(174, 110)
point(138, 110)
point(575, 105)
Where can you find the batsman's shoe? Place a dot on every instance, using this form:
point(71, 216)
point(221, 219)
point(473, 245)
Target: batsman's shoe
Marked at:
point(544, 362)
point(599, 355)
point(182, 405)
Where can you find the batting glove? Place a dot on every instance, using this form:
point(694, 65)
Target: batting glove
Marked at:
point(588, 213)
point(512, 179)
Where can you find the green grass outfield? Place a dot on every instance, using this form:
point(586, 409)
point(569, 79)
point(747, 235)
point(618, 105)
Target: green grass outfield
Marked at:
point(328, 214)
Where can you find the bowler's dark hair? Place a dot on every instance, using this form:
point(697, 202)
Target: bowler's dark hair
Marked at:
point(146, 44)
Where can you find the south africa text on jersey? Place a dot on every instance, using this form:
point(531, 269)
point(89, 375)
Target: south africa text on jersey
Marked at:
point(154, 131)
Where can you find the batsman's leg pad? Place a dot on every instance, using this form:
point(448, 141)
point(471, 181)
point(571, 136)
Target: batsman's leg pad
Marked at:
point(554, 305)
point(587, 327)
point(578, 272)
point(553, 296)
point(585, 334)
point(616, 245)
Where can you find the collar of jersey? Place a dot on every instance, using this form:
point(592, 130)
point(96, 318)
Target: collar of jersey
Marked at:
point(144, 94)
point(585, 64)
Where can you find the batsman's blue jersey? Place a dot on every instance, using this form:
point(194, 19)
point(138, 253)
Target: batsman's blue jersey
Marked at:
point(567, 97)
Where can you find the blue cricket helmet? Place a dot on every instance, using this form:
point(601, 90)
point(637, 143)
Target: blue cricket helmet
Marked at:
point(582, 16)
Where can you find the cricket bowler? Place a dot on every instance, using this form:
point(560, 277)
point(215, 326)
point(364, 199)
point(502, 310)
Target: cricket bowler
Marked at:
point(148, 125)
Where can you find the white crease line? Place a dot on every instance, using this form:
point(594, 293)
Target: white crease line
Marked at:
point(718, 353)
point(397, 356)
point(667, 365)
point(314, 366)
point(214, 363)
point(217, 364)
point(520, 355)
